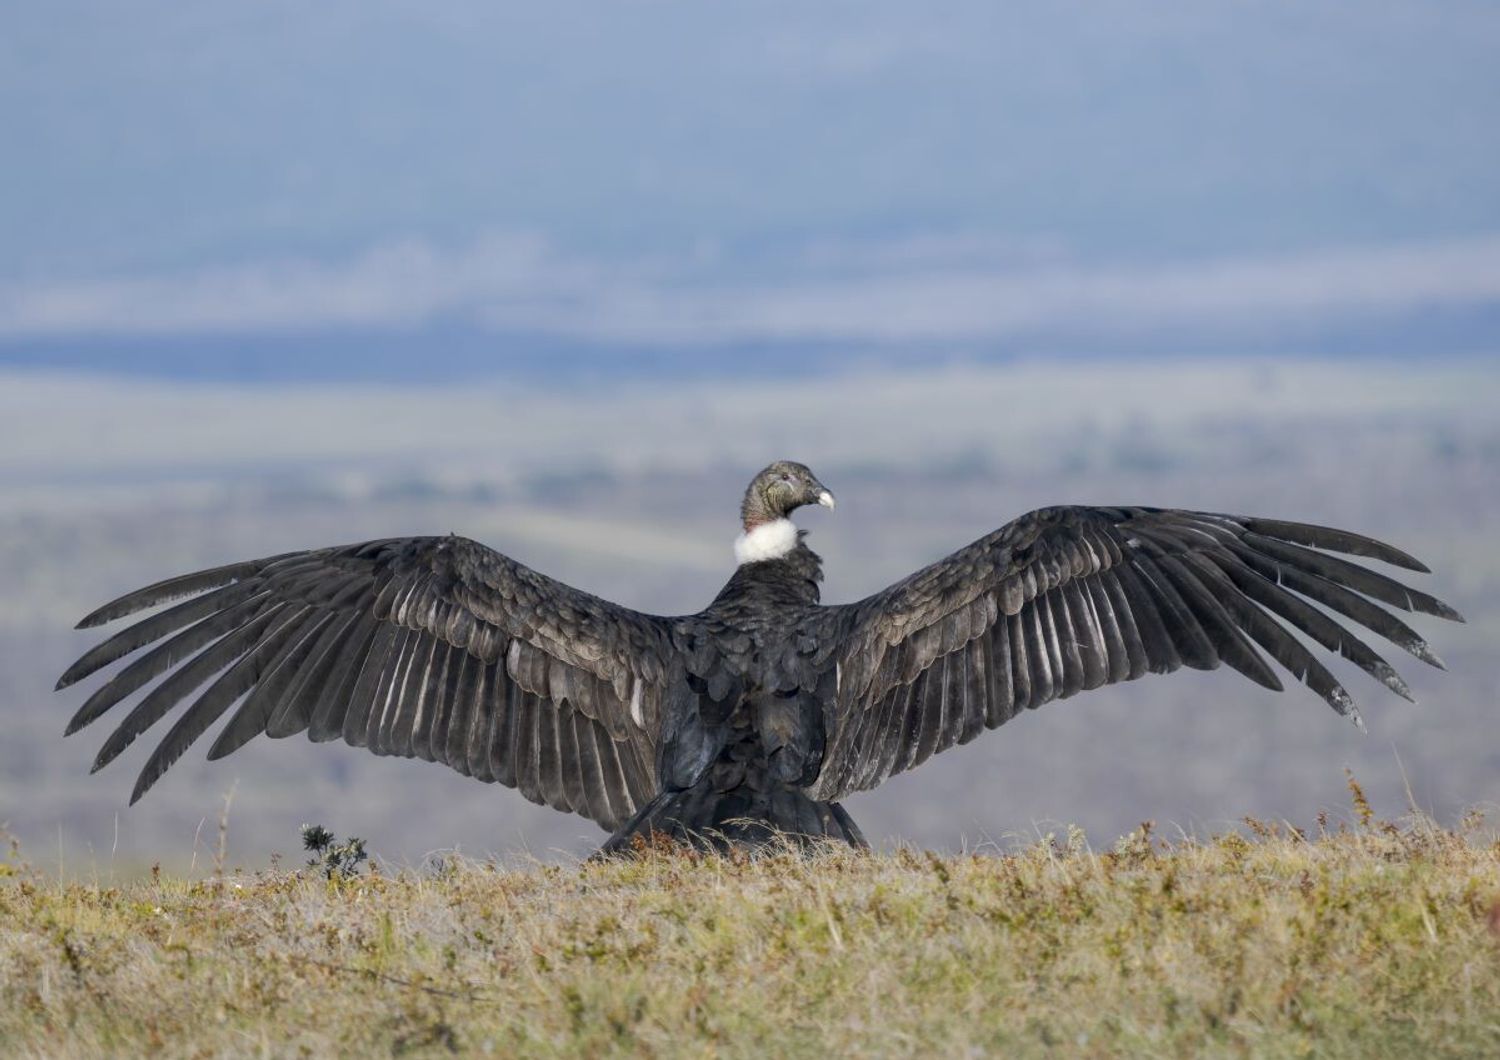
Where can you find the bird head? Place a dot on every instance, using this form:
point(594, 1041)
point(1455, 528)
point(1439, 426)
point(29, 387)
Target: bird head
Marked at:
point(779, 490)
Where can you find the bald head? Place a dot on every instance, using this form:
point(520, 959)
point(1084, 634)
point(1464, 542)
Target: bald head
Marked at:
point(779, 490)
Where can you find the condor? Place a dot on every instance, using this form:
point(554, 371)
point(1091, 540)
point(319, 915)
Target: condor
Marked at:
point(754, 716)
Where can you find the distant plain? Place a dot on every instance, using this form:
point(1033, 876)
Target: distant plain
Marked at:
point(629, 491)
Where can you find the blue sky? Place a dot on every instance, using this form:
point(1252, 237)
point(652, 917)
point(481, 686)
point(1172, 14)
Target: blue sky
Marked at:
point(644, 176)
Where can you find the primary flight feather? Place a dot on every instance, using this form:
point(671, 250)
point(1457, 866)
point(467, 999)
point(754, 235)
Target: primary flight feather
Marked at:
point(755, 715)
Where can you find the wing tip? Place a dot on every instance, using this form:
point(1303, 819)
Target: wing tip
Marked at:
point(87, 664)
point(1340, 700)
point(1388, 676)
point(1422, 650)
point(1442, 610)
point(1332, 539)
point(112, 749)
point(1396, 557)
point(1267, 678)
point(144, 783)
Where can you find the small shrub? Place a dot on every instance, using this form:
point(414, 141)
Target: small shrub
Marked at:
point(339, 861)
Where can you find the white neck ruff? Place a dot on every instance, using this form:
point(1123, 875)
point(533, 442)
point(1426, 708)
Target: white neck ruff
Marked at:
point(767, 541)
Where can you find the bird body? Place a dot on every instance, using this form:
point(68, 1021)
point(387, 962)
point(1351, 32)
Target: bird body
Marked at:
point(754, 716)
point(744, 737)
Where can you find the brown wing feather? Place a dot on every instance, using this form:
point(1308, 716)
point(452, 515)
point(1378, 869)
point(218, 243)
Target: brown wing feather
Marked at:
point(1067, 599)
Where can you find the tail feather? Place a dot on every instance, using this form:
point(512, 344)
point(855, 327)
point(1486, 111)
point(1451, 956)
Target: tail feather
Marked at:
point(743, 817)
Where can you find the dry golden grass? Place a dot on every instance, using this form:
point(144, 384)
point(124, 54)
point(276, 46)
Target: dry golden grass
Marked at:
point(1375, 940)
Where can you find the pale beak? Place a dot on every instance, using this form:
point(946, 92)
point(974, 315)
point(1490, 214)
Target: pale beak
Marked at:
point(826, 500)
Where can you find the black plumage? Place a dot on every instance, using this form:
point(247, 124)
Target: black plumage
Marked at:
point(758, 713)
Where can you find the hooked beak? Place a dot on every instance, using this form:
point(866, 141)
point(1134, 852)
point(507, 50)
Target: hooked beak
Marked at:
point(826, 500)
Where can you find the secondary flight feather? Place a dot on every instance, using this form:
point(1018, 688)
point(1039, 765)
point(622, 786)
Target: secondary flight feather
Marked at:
point(757, 714)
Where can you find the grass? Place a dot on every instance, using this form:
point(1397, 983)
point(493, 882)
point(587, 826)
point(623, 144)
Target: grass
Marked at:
point(1363, 941)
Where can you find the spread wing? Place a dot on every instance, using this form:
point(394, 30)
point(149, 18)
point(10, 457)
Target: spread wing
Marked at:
point(434, 647)
point(1067, 599)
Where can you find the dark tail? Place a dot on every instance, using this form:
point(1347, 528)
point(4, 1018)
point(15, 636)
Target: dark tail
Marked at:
point(742, 817)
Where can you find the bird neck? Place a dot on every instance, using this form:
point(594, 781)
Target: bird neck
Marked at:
point(770, 539)
point(756, 510)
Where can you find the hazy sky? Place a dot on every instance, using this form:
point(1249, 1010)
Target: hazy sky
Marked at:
point(670, 172)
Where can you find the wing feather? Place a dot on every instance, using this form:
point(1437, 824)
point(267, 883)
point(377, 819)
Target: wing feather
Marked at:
point(1088, 641)
point(1224, 636)
point(1351, 576)
point(254, 713)
point(373, 676)
point(333, 706)
point(1114, 653)
point(550, 747)
point(573, 781)
point(434, 648)
point(1020, 661)
point(174, 589)
point(1068, 599)
point(293, 713)
point(182, 682)
point(184, 645)
point(1137, 658)
point(1001, 706)
point(1311, 621)
point(238, 679)
point(976, 686)
point(451, 743)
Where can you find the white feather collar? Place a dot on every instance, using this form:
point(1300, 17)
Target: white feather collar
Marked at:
point(767, 541)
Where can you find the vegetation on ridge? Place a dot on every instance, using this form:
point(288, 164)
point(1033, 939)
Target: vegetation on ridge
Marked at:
point(1370, 940)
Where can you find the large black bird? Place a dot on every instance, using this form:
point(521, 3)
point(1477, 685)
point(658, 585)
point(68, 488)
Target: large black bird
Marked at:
point(756, 714)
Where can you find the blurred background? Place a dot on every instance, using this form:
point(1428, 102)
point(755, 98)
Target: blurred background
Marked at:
point(561, 278)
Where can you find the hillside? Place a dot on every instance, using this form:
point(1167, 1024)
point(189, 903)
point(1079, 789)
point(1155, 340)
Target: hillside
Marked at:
point(1366, 940)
